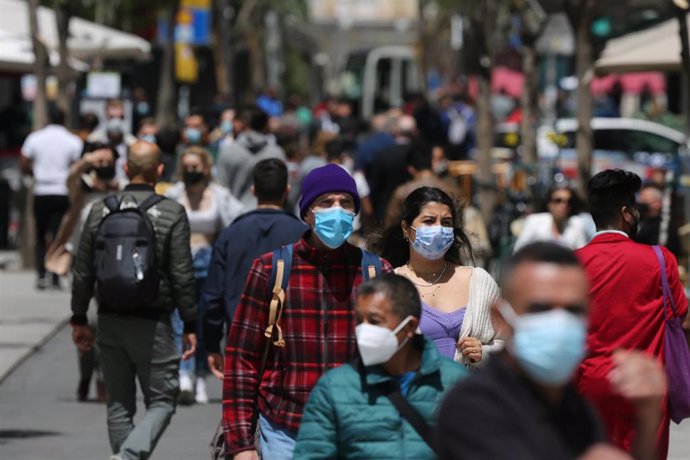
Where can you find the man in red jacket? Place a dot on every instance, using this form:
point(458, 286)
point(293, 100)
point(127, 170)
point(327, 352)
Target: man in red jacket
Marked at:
point(626, 308)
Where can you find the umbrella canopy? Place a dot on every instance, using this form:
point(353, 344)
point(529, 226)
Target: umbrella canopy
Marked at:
point(17, 55)
point(86, 39)
point(656, 48)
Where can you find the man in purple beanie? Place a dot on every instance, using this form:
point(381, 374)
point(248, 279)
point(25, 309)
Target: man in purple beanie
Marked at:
point(317, 322)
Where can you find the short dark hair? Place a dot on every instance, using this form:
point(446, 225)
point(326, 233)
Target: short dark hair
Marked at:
point(398, 289)
point(335, 148)
point(419, 156)
point(608, 192)
point(88, 121)
point(270, 180)
point(93, 146)
point(540, 252)
point(56, 116)
point(258, 119)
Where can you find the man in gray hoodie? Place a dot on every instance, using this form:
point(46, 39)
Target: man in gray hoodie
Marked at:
point(236, 160)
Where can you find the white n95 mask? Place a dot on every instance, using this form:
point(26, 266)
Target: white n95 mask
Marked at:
point(378, 344)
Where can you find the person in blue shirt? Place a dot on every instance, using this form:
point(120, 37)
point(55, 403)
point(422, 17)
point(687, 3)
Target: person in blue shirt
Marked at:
point(250, 235)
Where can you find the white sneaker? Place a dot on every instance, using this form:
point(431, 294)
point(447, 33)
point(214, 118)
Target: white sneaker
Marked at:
point(186, 396)
point(201, 397)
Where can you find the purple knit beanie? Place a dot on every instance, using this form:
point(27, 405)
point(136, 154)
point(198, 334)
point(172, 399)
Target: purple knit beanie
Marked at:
point(330, 178)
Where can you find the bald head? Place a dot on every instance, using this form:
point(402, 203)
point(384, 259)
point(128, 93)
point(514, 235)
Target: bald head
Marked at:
point(143, 162)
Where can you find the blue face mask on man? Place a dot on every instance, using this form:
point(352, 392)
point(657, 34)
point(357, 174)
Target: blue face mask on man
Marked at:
point(333, 225)
point(193, 135)
point(226, 127)
point(433, 241)
point(548, 345)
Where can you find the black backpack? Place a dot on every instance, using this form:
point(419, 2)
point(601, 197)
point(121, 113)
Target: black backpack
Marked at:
point(125, 255)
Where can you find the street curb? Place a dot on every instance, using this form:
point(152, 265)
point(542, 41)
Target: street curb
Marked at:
point(58, 327)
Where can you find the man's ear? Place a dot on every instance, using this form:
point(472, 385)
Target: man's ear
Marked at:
point(253, 190)
point(159, 170)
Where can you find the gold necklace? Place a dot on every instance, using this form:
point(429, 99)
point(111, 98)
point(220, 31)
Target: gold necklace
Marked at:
point(438, 278)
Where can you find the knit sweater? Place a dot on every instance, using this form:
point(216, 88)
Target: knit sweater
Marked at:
point(477, 322)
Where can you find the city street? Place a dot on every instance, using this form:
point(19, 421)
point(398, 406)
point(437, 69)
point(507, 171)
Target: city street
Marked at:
point(39, 416)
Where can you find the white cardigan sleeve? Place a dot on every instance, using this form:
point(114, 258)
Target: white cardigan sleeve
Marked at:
point(477, 322)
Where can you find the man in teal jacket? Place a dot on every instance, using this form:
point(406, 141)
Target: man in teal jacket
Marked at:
point(350, 413)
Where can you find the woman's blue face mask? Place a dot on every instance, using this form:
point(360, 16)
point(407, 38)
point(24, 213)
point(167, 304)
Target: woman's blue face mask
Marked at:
point(432, 242)
point(333, 226)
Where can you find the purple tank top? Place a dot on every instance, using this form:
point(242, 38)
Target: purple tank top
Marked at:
point(443, 328)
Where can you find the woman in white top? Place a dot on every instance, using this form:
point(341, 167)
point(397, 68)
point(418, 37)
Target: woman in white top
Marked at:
point(559, 223)
point(210, 208)
point(456, 299)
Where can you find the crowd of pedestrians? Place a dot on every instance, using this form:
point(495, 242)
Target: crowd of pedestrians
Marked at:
point(342, 271)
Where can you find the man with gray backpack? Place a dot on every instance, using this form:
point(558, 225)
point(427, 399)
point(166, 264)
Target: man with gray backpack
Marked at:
point(134, 256)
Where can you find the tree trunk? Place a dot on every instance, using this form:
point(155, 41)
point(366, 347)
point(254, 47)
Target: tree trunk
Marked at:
point(583, 70)
point(165, 103)
point(257, 63)
point(63, 71)
point(685, 59)
point(530, 106)
point(486, 196)
point(40, 68)
point(225, 49)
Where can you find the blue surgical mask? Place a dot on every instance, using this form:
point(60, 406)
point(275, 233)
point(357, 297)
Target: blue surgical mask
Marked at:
point(432, 242)
point(548, 345)
point(193, 135)
point(149, 138)
point(226, 126)
point(333, 225)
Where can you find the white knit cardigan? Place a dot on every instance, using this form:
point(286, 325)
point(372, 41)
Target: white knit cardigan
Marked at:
point(477, 321)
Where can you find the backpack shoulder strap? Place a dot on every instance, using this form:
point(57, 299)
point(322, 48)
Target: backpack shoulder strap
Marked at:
point(112, 203)
point(371, 265)
point(150, 202)
point(280, 274)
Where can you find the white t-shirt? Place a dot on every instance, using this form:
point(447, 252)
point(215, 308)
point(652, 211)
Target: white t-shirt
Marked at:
point(52, 149)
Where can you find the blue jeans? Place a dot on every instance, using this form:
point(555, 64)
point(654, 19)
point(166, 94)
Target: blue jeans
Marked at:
point(197, 365)
point(275, 442)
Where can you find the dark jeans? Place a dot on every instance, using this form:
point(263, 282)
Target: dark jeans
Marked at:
point(48, 212)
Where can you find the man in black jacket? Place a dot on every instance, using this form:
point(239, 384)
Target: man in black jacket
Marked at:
point(250, 235)
point(137, 341)
point(522, 405)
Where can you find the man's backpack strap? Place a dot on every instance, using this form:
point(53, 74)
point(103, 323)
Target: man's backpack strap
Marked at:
point(111, 202)
point(150, 202)
point(280, 274)
point(371, 265)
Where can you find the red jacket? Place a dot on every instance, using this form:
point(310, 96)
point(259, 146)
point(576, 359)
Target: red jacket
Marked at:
point(626, 312)
point(318, 325)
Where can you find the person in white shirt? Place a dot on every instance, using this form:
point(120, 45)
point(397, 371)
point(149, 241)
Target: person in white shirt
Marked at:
point(559, 224)
point(47, 155)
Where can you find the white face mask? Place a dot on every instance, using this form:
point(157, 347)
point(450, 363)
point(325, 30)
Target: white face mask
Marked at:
point(378, 344)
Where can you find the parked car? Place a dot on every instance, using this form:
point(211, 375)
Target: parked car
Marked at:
point(636, 145)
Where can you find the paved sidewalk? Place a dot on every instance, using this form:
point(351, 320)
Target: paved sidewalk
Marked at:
point(28, 318)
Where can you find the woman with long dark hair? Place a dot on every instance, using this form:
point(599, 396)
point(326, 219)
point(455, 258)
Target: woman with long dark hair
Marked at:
point(426, 247)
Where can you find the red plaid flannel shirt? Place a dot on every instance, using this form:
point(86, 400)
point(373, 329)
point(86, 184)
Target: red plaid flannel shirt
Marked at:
point(318, 326)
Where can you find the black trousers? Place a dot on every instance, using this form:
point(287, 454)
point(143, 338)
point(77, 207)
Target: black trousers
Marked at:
point(48, 212)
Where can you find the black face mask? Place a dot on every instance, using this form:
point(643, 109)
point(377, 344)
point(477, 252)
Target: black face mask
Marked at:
point(192, 177)
point(105, 172)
